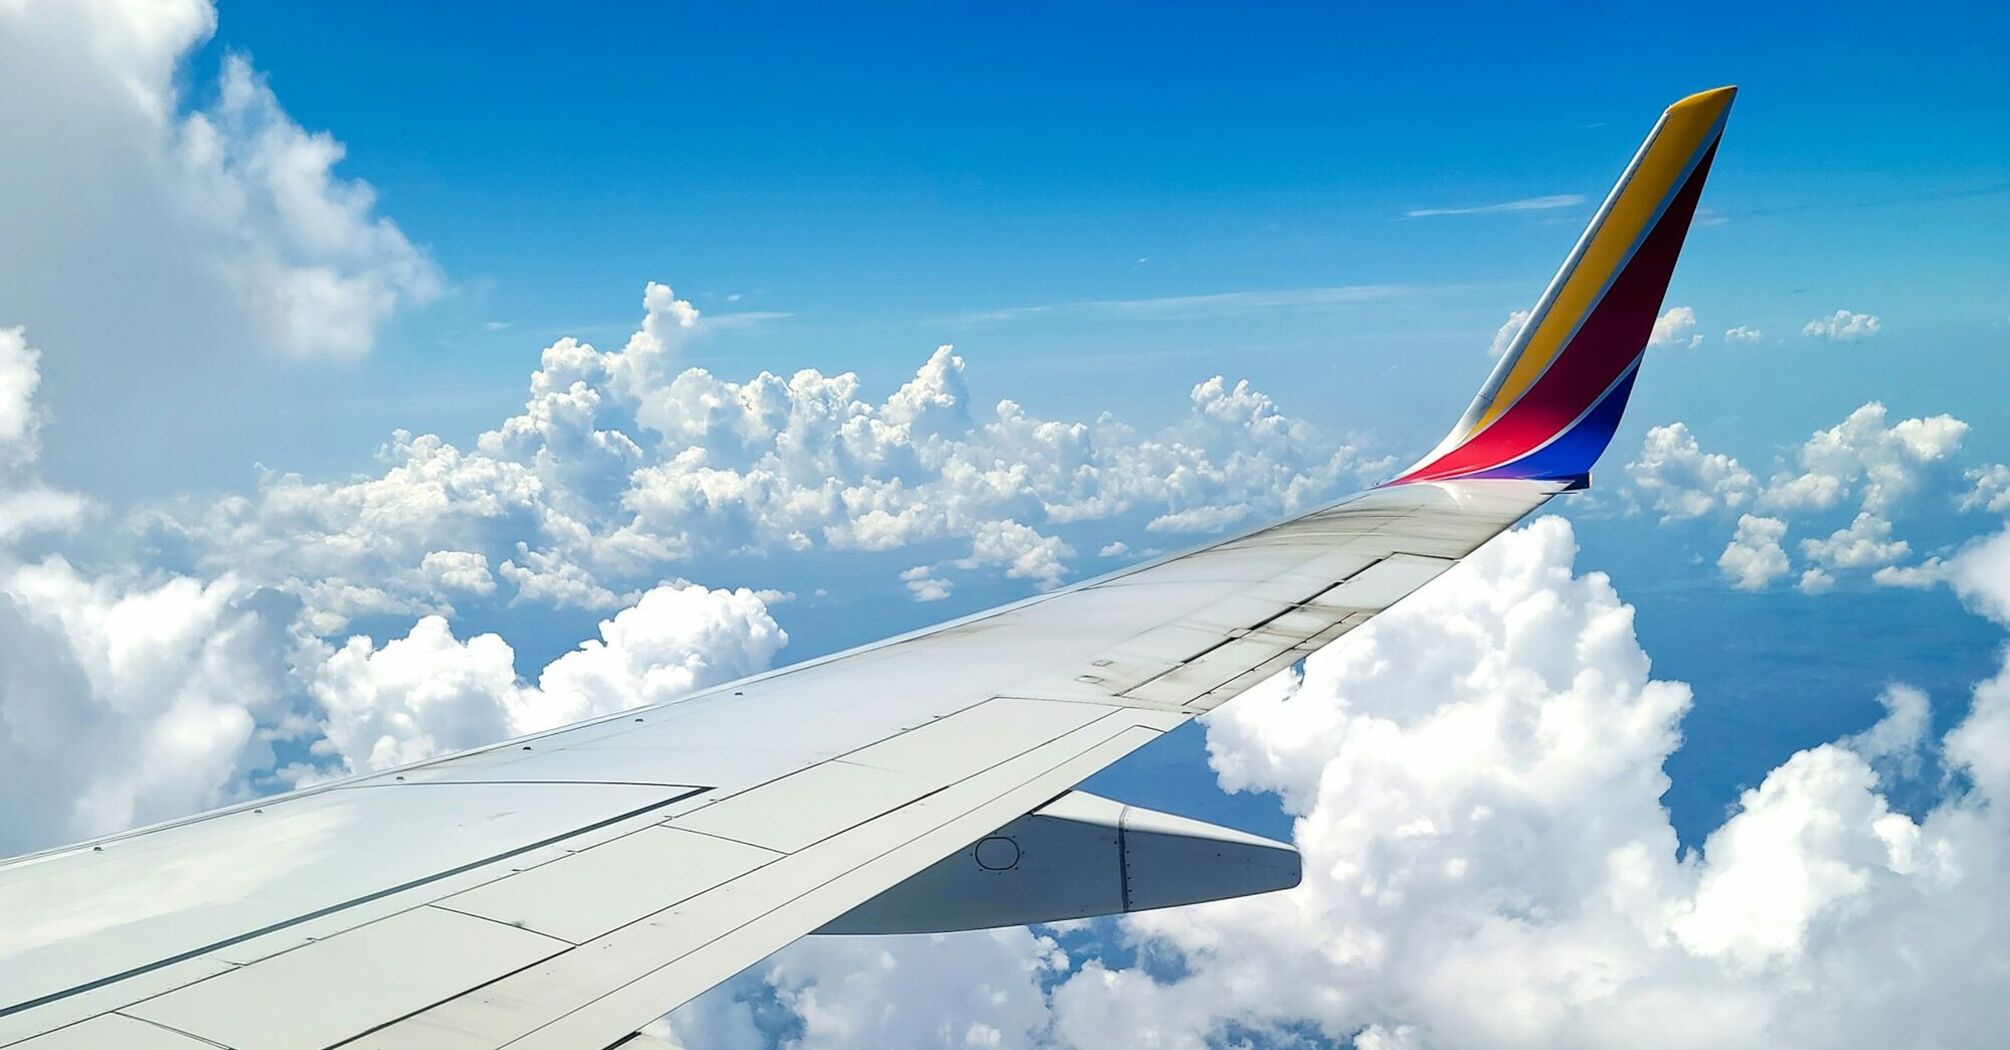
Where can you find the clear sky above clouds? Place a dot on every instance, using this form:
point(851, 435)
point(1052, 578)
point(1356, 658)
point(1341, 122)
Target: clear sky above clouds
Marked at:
point(924, 174)
point(358, 361)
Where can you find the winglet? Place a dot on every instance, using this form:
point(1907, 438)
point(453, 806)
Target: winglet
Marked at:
point(1551, 405)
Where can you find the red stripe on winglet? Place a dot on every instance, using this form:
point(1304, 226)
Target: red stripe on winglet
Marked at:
point(1611, 339)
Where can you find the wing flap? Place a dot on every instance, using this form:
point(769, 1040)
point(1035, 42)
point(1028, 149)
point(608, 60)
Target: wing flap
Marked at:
point(598, 890)
point(600, 991)
point(387, 969)
point(108, 1031)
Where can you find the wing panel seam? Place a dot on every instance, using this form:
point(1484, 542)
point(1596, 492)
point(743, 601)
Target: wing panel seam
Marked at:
point(332, 909)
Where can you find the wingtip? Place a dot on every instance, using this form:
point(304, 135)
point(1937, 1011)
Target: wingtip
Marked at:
point(1717, 98)
point(1554, 401)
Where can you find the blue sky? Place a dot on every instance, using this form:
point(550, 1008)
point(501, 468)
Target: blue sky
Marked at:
point(1100, 207)
point(887, 180)
point(1052, 188)
point(883, 177)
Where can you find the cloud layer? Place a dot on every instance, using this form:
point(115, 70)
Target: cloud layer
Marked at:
point(1866, 462)
point(624, 465)
point(224, 220)
point(1476, 779)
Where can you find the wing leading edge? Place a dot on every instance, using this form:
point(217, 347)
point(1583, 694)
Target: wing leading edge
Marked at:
point(564, 889)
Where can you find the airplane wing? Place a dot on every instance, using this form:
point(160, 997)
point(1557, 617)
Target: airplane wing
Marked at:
point(562, 890)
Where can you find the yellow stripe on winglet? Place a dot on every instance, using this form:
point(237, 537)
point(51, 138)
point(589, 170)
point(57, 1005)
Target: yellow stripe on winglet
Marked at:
point(1684, 131)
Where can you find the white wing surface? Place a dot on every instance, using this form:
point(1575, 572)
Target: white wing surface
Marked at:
point(562, 890)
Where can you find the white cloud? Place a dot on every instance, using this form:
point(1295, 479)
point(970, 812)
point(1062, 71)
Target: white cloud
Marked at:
point(1506, 334)
point(1743, 334)
point(1885, 461)
point(924, 586)
point(36, 508)
point(1025, 554)
point(1866, 457)
point(1843, 326)
point(1990, 491)
point(1811, 837)
point(227, 215)
point(129, 697)
point(1682, 481)
point(1476, 779)
point(1924, 576)
point(624, 464)
point(429, 692)
point(20, 374)
point(1549, 203)
point(463, 571)
point(301, 248)
point(978, 991)
point(675, 639)
point(1200, 519)
point(27, 506)
point(125, 701)
point(1754, 557)
point(1114, 549)
point(1895, 741)
point(547, 578)
point(1676, 327)
point(1980, 574)
point(1865, 543)
point(421, 695)
point(174, 239)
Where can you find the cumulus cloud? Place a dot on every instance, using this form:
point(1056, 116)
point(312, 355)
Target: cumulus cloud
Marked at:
point(130, 700)
point(1865, 457)
point(1980, 574)
point(1476, 780)
point(1990, 489)
point(1743, 334)
point(1675, 327)
point(318, 269)
point(20, 374)
point(979, 991)
point(625, 463)
point(418, 696)
point(1682, 481)
point(674, 640)
point(458, 571)
point(230, 205)
point(1843, 326)
point(171, 234)
point(429, 692)
point(1895, 741)
point(1863, 454)
point(1024, 553)
point(1816, 581)
point(128, 696)
point(924, 586)
point(1508, 332)
point(1754, 558)
point(1923, 576)
point(1865, 543)
point(36, 508)
point(27, 506)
